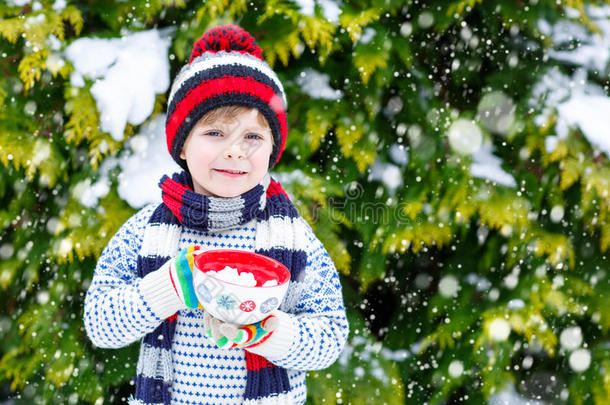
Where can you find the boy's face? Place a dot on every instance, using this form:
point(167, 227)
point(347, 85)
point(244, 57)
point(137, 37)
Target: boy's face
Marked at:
point(228, 156)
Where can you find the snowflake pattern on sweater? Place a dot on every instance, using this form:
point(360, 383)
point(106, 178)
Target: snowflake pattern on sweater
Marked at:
point(117, 314)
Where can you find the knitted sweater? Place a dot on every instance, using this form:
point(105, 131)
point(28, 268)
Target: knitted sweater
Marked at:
point(121, 308)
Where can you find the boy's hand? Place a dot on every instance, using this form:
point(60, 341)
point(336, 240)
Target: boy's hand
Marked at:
point(228, 336)
point(181, 274)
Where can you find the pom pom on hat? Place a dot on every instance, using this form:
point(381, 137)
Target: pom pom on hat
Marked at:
point(226, 68)
point(228, 38)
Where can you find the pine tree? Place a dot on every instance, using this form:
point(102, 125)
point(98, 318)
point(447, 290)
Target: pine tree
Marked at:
point(432, 146)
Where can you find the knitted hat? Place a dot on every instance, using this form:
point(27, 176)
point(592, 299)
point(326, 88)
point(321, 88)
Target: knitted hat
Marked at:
point(226, 68)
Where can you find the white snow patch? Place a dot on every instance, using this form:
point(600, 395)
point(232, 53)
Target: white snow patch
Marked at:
point(367, 36)
point(53, 42)
point(590, 114)
point(449, 286)
point(465, 136)
point(389, 174)
point(580, 360)
point(486, 165)
point(578, 103)
point(510, 396)
point(316, 85)
point(456, 368)
point(499, 329)
point(592, 50)
point(143, 166)
point(571, 338)
point(77, 80)
point(18, 3)
point(89, 194)
point(550, 143)
point(330, 8)
point(516, 303)
point(128, 73)
point(480, 283)
point(399, 154)
point(306, 7)
point(59, 5)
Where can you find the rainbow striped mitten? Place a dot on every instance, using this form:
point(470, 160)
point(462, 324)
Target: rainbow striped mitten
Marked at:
point(181, 274)
point(228, 336)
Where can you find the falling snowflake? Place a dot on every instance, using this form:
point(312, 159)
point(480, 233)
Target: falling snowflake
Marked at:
point(269, 305)
point(247, 306)
point(225, 302)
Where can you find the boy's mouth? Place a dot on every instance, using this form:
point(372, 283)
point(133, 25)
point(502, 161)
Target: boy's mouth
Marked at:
point(232, 173)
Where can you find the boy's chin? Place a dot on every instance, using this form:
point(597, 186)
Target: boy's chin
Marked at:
point(223, 193)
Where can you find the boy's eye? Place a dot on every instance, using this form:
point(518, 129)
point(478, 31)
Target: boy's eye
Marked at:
point(213, 133)
point(254, 136)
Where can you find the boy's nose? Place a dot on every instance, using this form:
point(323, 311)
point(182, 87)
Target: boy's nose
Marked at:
point(234, 151)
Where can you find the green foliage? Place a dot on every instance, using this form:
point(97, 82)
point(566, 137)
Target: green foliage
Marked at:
point(431, 266)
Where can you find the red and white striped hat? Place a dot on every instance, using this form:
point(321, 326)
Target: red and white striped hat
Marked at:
point(226, 68)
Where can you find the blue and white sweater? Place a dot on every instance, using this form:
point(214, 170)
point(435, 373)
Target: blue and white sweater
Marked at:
point(121, 308)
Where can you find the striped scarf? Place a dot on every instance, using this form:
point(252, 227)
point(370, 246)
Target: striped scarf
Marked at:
point(276, 233)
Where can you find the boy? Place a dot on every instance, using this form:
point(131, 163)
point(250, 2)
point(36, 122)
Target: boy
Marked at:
point(226, 127)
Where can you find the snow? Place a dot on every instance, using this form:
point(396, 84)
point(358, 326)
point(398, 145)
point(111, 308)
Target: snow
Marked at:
point(30, 107)
point(425, 19)
point(77, 80)
point(496, 112)
point(509, 396)
point(515, 303)
point(6, 251)
point(580, 360)
point(557, 213)
point(456, 368)
point(367, 36)
point(127, 72)
point(399, 154)
point(390, 175)
point(449, 286)
point(395, 105)
point(579, 103)
point(89, 194)
point(571, 338)
point(53, 42)
point(231, 275)
point(55, 62)
point(368, 353)
point(306, 7)
point(550, 143)
point(465, 136)
point(590, 114)
point(488, 166)
point(499, 329)
point(406, 29)
point(592, 51)
point(59, 5)
point(480, 283)
point(144, 164)
point(18, 3)
point(330, 8)
point(316, 85)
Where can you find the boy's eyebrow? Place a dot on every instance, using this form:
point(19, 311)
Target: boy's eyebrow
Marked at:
point(257, 128)
point(228, 124)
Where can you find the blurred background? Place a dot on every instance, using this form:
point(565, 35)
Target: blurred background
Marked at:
point(451, 155)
